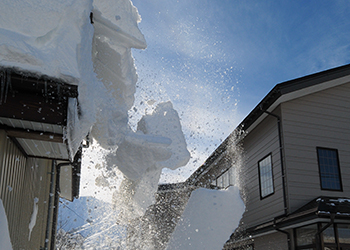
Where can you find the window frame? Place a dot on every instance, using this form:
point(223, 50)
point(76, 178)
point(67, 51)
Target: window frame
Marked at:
point(338, 168)
point(320, 240)
point(272, 177)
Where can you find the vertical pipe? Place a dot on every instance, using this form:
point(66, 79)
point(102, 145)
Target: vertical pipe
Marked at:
point(55, 205)
point(52, 184)
point(282, 160)
point(283, 176)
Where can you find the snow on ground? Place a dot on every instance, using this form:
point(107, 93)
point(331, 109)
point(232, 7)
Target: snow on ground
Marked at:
point(4, 230)
point(90, 221)
point(209, 219)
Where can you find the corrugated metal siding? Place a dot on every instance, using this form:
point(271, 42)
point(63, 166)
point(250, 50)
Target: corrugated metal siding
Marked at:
point(23, 180)
point(260, 142)
point(36, 126)
point(44, 149)
point(318, 120)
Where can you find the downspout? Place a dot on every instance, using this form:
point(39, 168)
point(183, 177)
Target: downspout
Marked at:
point(319, 244)
point(281, 159)
point(284, 232)
point(55, 208)
point(283, 177)
point(50, 203)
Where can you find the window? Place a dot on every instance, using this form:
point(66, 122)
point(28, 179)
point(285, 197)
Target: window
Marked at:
point(335, 236)
point(306, 236)
point(344, 234)
point(226, 179)
point(328, 164)
point(266, 177)
point(247, 247)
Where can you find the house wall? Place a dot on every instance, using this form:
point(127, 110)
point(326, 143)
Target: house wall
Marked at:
point(321, 119)
point(21, 181)
point(257, 144)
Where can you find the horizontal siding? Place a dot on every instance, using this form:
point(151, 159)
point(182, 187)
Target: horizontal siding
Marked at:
point(318, 120)
point(257, 144)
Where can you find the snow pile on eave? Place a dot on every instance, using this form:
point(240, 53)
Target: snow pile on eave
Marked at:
point(43, 36)
point(210, 217)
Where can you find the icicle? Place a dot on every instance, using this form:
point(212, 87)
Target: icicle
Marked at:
point(59, 91)
point(8, 85)
point(45, 94)
point(2, 79)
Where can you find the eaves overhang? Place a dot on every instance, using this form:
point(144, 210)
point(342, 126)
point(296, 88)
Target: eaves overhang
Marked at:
point(293, 89)
point(321, 209)
point(33, 112)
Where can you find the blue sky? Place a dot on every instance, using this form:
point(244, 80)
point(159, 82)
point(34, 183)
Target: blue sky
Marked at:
point(216, 59)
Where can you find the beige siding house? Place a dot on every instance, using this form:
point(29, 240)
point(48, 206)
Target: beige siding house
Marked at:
point(293, 166)
point(33, 115)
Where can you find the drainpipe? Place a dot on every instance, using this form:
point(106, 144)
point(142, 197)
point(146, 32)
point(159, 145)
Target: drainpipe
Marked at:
point(50, 203)
point(283, 177)
point(53, 204)
point(282, 160)
point(57, 196)
point(284, 232)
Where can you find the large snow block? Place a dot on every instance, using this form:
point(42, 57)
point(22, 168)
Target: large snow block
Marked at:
point(208, 220)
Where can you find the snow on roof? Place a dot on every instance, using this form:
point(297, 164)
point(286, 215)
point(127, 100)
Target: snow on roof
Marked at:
point(43, 36)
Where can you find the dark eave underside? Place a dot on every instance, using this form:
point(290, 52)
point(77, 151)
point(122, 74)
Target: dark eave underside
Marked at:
point(34, 98)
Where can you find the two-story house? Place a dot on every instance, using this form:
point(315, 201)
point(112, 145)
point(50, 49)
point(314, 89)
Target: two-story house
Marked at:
point(293, 168)
point(290, 157)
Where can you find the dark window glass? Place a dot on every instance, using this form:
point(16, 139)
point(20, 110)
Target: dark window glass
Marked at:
point(329, 169)
point(344, 234)
point(266, 177)
point(328, 234)
point(306, 235)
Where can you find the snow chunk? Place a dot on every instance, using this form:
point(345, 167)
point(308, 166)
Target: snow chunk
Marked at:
point(4, 235)
point(120, 16)
point(165, 122)
point(158, 143)
point(33, 217)
point(208, 220)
